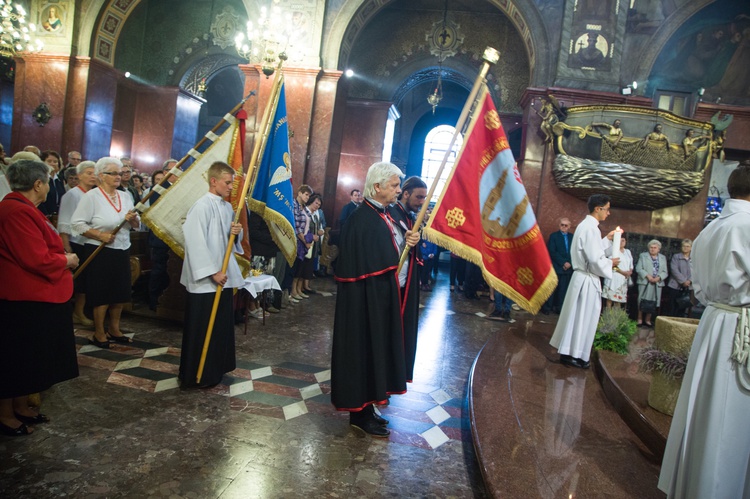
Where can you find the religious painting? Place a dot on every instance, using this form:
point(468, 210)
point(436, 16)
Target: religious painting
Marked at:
point(52, 17)
point(590, 51)
point(593, 26)
point(710, 51)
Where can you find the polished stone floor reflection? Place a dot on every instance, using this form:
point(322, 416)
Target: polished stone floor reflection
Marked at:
point(125, 429)
point(546, 430)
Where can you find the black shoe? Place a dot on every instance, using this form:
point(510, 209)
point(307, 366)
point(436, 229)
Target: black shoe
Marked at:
point(374, 415)
point(369, 422)
point(38, 419)
point(14, 432)
point(569, 361)
point(380, 419)
point(369, 426)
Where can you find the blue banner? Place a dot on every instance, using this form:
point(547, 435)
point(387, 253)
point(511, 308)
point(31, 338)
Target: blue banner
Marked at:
point(272, 195)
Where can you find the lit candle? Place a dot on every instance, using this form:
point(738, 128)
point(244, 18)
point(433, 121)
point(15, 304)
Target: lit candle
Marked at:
point(616, 242)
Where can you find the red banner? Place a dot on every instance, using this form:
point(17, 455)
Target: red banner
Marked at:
point(236, 161)
point(484, 215)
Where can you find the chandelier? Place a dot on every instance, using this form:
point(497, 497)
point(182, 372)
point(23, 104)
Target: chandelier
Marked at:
point(434, 97)
point(266, 41)
point(15, 32)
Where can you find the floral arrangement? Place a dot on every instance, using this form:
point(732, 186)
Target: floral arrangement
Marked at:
point(614, 331)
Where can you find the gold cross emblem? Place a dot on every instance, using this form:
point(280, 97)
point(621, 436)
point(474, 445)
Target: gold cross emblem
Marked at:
point(455, 218)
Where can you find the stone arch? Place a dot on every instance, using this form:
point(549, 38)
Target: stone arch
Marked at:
point(354, 15)
point(89, 15)
point(107, 28)
point(419, 77)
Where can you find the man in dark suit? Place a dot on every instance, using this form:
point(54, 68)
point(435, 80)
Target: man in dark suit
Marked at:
point(558, 246)
point(356, 200)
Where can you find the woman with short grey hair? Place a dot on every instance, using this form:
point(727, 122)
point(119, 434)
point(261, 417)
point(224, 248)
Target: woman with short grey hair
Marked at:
point(37, 344)
point(100, 211)
point(652, 272)
point(72, 243)
point(26, 173)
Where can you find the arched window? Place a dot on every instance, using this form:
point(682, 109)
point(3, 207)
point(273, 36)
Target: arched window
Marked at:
point(435, 145)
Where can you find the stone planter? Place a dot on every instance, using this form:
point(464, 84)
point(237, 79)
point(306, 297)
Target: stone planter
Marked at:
point(674, 335)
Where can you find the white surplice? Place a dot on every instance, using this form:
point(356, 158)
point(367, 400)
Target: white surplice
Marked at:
point(708, 449)
point(207, 229)
point(576, 327)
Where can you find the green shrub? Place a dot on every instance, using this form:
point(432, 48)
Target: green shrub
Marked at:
point(614, 331)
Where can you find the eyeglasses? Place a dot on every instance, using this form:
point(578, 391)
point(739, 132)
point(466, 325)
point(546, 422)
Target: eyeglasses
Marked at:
point(564, 225)
point(115, 174)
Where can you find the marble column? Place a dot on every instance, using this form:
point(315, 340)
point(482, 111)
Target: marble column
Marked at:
point(99, 110)
point(75, 106)
point(361, 146)
point(323, 151)
point(300, 93)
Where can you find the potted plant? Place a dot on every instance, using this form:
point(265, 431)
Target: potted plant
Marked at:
point(614, 331)
point(667, 359)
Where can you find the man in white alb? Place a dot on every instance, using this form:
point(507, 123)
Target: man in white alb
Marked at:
point(207, 228)
point(576, 327)
point(708, 449)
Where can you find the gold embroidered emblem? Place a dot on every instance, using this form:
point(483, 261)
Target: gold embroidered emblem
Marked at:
point(525, 276)
point(492, 120)
point(455, 218)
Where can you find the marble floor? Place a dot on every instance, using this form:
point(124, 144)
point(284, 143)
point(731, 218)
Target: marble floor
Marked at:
point(124, 429)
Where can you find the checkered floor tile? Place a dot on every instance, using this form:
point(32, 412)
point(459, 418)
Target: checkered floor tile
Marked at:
point(426, 416)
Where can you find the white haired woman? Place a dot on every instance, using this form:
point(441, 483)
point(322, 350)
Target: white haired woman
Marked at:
point(652, 271)
point(74, 244)
point(37, 345)
point(98, 214)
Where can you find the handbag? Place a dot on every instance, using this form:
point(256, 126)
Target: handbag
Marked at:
point(648, 306)
point(683, 300)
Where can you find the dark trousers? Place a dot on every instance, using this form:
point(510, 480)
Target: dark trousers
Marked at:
point(426, 270)
point(473, 280)
point(555, 301)
point(438, 250)
point(159, 279)
point(458, 271)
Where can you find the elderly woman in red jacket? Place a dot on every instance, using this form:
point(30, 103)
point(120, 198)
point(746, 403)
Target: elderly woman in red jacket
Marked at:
point(37, 345)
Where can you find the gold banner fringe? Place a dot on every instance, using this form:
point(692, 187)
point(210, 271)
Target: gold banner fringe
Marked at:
point(472, 255)
point(279, 221)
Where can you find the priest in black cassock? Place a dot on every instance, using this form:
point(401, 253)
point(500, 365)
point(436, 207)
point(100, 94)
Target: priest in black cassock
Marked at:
point(207, 227)
point(410, 201)
point(368, 361)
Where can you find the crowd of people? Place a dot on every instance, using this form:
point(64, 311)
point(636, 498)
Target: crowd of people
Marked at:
point(49, 227)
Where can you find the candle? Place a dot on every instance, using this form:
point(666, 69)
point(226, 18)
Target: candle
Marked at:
point(616, 242)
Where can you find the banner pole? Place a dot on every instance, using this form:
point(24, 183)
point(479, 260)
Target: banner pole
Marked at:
point(139, 208)
point(490, 56)
point(264, 127)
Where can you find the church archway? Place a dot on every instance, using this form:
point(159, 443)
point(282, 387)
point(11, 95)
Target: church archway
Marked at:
point(353, 17)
